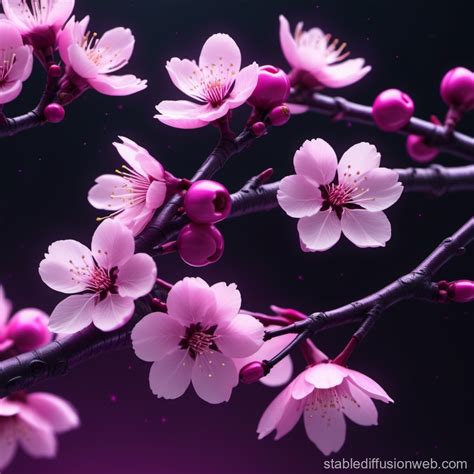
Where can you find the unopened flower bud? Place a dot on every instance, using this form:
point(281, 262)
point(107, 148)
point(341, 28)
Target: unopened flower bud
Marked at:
point(392, 110)
point(207, 202)
point(253, 372)
point(29, 329)
point(457, 88)
point(461, 291)
point(272, 89)
point(54, 113)
point(54, 71)
point(279, 115)
point(419, 150)
point(200, 244)
point(259, 129)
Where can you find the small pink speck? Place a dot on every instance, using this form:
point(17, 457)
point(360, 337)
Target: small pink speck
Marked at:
point(164, 419)
point(113, 398)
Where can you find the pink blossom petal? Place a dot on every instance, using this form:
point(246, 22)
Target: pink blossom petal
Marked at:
point(241, 338)
point(113, 312)
point(317, 160)
point(58, 413)
point(290, 417)
point(187, 115)
point(72, 314)
point(81, 63)
point(129, 151)
point(171, 375)
point(356, 161)
point(366, 229)
point(343, 74)
point(37, 442)
point(274, 412)
point(220, 49)
point(106, 194)
point(288, 43)
point(298, 196)
point(10, 91)
point(244, 85)
point(381, 189)
point(358, 406)
point(127, 84)
point(191, 301)
point(324, 376)
point(138, 223)
point(137, 276)
point(66, 37)
point(228, 301)
point(66, 266)
point(116, 47)
point(369, 386)
point(156, 194)
point(326, 428)
point(155, 336)
point(151, 166)
point(23, 64)
point(184, 75)
point(214, 376)
point(280, 373)
point(8, 407)
point(8, 442)
point(11, 37)
point(301, 387)
point(321, 231)
point(112, 244)
point(60, 11)
point(296, 109)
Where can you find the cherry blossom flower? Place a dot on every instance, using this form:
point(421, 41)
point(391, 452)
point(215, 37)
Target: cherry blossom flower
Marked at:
point(324, 393)
point(314, 57)
point(197, 340)
point(38, 20)
point(282, 372)
point(16, 62)
point(90, 60)
point(109, 278)
point(330, 198)
point(217, 82)
point(32, 422)
point(136, 192)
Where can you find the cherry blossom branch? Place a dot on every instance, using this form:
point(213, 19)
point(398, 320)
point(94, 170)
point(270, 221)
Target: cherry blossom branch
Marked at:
point(339, 108)
point(14, 125)
point(416, 284)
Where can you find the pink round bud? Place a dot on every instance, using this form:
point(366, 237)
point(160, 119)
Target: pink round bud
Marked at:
point(392, 110)
point(272, 89)
point(461, 291)
point(259, 129)
point(54, 71)
point(279, 115)
point(457, 88)
point(207, 202)
point(54, 113)
point(253, 372)
point(419, 150)
point(29, 329)
point(200, 244)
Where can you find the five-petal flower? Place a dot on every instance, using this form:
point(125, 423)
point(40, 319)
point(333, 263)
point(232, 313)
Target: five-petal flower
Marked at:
point(314, 58)
point(137, 190)
point(109, 277)
point(32, 422)
point(330, 198)
point(324, 393)
point(217, 82)
point(90, 60)
point(197, 340)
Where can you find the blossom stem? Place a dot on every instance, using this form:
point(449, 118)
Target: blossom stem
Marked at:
point(339, 108)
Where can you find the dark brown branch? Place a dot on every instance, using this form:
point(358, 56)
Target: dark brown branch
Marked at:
point(339, 108)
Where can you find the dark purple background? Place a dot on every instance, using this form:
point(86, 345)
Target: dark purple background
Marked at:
point(420, 353)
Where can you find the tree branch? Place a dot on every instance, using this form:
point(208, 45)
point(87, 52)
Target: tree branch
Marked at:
point(439, 136)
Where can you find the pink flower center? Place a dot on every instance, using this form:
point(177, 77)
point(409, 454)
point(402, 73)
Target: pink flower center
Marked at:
point(35, 12)
point(213, 83)
point(135, 189)
point(324, 401)
point(198, 340)
point(98, 279)
point(101, 55)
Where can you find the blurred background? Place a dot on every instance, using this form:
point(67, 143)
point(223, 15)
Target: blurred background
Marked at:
point(420, 353)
